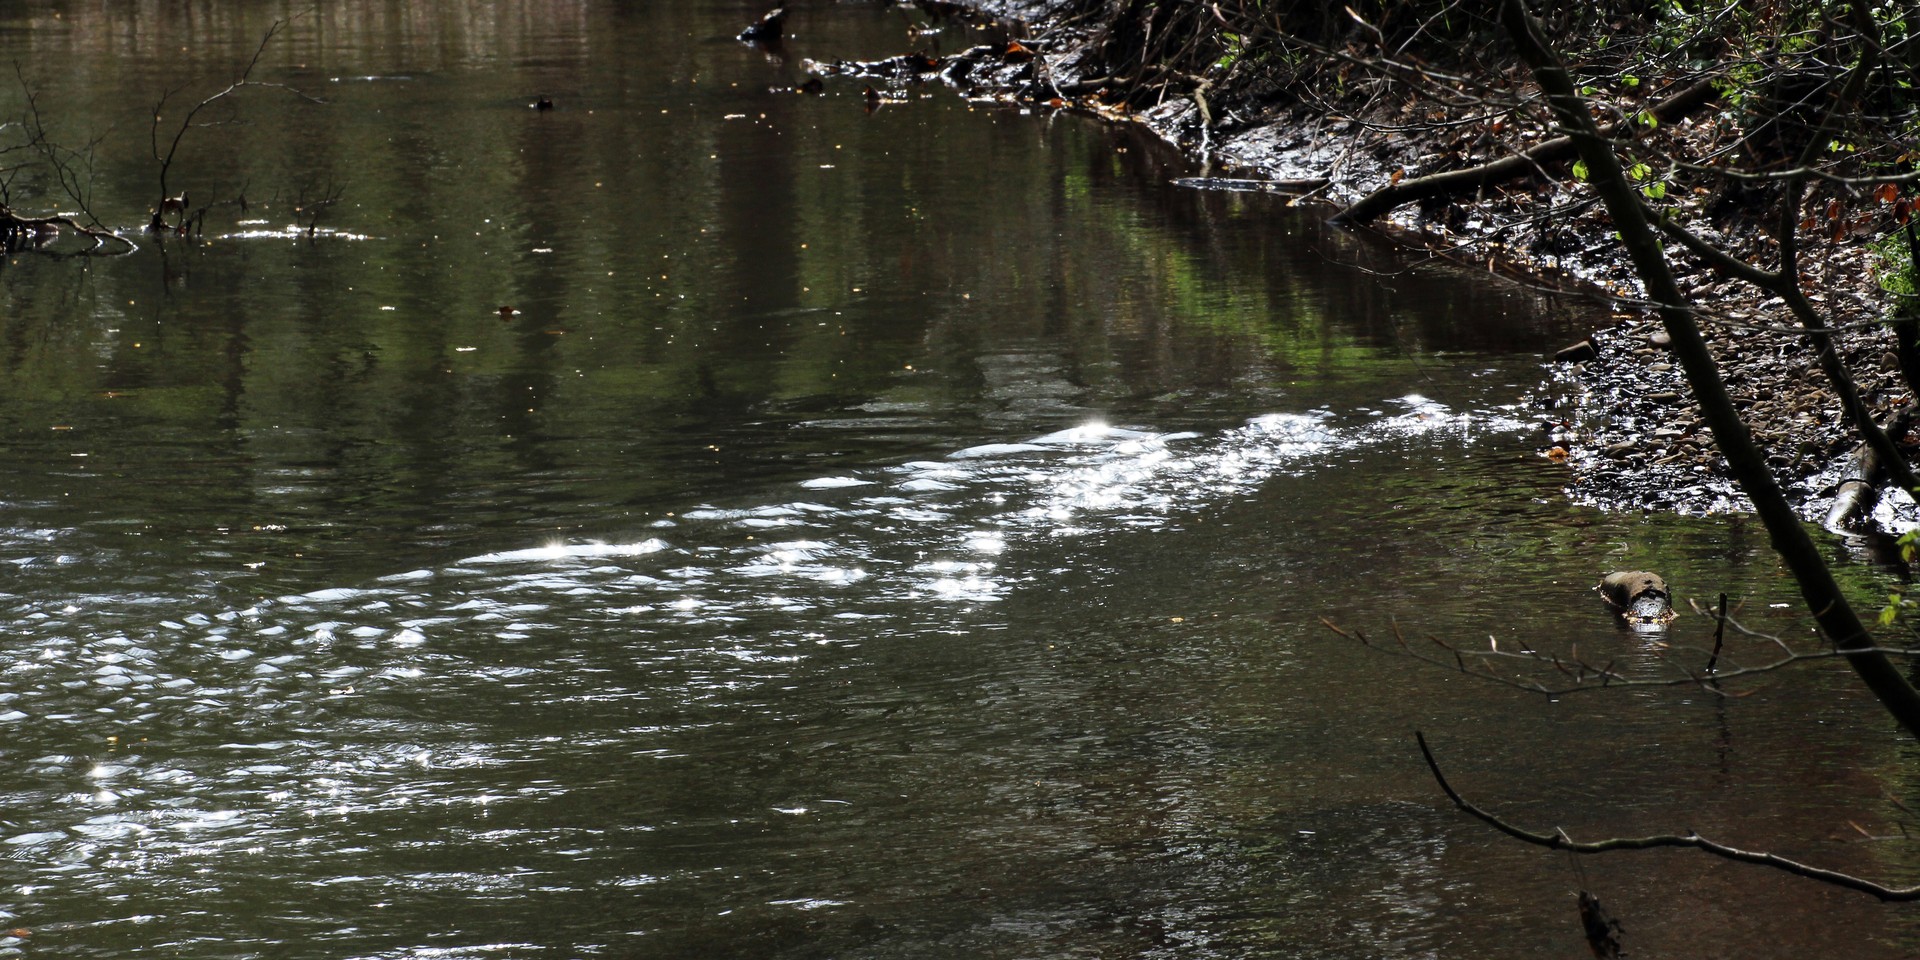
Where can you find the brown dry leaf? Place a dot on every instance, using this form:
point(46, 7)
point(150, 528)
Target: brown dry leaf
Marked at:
point(1886, 193)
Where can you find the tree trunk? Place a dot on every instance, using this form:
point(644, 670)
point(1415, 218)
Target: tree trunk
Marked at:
point(1829, 606)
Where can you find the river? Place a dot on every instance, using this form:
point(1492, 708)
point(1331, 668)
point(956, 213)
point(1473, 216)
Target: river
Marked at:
point(708, 520)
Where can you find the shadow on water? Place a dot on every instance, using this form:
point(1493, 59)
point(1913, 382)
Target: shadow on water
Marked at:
point(861, 535)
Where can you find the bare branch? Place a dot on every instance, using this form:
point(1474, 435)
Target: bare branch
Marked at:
point(1558, 840)
point(1585, 676)
point(72, 169)
point(1526, 162)
point(244, 80)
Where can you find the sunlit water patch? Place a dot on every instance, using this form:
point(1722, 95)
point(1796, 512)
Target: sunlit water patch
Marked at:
point(286, 733)
point(266, 230)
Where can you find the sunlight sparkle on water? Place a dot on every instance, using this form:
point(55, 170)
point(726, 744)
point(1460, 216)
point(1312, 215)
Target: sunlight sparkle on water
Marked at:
point(988, 542)
point(729, 608)
point(556, 552)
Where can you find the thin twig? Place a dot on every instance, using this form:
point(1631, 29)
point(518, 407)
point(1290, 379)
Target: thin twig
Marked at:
point(1559, 840)
point(1719, 634)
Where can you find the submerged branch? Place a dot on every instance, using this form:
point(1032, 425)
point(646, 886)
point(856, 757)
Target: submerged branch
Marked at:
point(1586, 676)
point(17, 232)
point(167, 201)
point(1558, 840)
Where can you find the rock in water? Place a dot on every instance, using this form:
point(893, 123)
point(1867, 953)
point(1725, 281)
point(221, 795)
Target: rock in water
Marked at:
point(1638, 596)
point(767, 29)
point(1578, 353)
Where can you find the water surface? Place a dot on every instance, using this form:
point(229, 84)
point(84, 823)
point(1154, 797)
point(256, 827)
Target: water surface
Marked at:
point(861, 534)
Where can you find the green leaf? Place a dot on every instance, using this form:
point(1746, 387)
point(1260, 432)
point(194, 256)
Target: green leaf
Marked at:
point(1648, 120)
point(1656, 190)
point(1639, 171)
point(1580, 170)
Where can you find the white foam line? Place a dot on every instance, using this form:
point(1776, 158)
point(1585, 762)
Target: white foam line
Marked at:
point(562, 552)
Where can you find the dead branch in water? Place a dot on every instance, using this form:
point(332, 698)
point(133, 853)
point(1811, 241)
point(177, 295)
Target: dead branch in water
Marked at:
point(1582, 675)
point(1559, 840)
point(168, 201)
point(70, 168)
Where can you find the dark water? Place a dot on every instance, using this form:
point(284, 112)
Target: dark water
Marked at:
point(892, 535)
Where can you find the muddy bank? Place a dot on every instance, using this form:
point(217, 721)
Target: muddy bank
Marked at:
point(1616, 409)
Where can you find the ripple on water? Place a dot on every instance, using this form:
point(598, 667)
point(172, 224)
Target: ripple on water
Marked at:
point(307, 724)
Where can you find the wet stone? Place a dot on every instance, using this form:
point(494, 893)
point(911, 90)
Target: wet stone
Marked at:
point(1577, 353)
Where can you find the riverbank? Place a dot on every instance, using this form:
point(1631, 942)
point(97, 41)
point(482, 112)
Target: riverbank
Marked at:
point(1617, 412)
